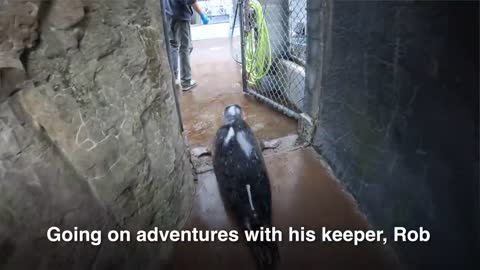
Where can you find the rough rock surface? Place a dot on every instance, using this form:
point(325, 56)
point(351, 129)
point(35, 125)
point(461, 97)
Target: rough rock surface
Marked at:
point(18, 31)
point(91, 138)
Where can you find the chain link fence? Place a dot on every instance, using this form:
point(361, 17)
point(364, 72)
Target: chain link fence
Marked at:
point(274, 45)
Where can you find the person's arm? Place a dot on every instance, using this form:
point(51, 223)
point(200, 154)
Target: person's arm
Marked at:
point(199, 10)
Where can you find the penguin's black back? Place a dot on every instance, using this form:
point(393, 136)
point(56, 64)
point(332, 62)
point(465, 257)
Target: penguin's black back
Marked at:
point(238, 162)
point(244, 185)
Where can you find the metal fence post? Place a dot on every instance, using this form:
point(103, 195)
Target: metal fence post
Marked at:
point(241, 5)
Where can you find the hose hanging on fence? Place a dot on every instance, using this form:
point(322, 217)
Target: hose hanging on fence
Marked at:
point(258, 51)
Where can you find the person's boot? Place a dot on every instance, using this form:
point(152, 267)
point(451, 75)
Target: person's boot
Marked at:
point(186, 86)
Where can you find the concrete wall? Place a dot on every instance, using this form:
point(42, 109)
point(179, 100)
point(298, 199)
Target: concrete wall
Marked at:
point(393, 89)
point(91, 139)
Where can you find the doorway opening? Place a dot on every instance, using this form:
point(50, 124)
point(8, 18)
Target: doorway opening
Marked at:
point(272, 100)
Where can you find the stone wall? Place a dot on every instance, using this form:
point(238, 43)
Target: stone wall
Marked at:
point(393, 90)
point(89, 133)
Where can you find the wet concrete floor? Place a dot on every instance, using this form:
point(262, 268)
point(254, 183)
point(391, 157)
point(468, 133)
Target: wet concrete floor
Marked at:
point(219, 85)
point(303, 195)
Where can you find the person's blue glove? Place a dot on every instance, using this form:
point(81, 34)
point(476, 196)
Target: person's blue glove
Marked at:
point(204, 18)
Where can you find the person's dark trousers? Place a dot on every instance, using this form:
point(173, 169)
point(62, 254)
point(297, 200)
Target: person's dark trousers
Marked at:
point(180, 45)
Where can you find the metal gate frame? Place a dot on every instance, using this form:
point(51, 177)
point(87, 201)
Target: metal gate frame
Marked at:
point(247, 88)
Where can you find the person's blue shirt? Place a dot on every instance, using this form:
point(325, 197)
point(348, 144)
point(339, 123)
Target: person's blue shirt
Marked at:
point(179, 9)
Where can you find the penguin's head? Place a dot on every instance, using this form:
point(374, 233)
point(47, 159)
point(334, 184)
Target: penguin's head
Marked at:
point(232, 113)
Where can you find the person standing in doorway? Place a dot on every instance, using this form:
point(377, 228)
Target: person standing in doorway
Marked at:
point(179, 14)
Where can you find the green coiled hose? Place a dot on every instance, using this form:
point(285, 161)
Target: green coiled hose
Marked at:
point(258, 51)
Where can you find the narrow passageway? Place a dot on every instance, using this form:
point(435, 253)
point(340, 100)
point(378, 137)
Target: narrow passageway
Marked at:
point(304, 193)
point(219, 85)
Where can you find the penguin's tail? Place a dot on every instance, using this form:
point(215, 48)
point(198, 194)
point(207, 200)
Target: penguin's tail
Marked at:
point(266, 254)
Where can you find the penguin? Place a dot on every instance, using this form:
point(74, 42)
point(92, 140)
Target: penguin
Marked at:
point(243, 182)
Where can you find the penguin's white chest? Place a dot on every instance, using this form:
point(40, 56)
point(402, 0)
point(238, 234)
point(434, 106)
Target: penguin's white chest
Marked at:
point(229, 137)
